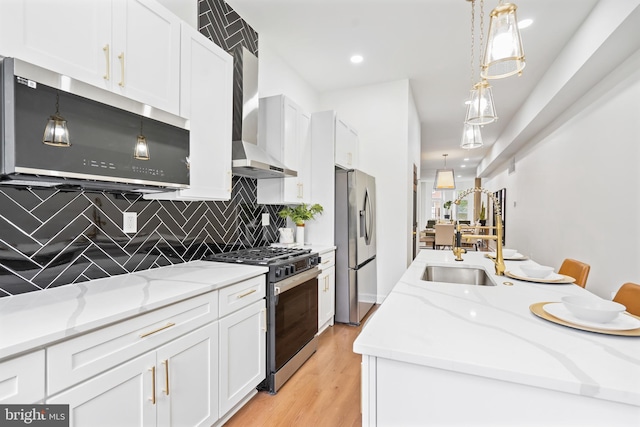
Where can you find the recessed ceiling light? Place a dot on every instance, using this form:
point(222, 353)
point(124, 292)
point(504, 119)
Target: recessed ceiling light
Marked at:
point(356, 59)
point(463, 166)
point(525, 23)
point(466, 159)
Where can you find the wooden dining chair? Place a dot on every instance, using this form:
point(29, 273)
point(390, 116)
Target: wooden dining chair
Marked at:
point(629, 296)
point(444, 235)
point(576, 269)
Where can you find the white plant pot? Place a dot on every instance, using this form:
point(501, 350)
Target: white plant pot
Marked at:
point(300, 235)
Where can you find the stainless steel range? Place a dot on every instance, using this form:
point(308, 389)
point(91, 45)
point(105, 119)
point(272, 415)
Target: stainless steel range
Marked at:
point(292, 307)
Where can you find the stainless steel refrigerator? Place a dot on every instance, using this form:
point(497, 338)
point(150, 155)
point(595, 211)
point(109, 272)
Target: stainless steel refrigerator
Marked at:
point(355, 238)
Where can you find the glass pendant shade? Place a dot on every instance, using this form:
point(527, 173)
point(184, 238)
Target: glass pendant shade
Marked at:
point(471, 137)
point(504, 55)
point(481, 109)
point(56, 132)
point(142, 149)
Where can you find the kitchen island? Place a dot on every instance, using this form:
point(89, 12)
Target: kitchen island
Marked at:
point(452, 354)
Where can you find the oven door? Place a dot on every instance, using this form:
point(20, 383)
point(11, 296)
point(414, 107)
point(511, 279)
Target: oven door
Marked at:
point(296, 315)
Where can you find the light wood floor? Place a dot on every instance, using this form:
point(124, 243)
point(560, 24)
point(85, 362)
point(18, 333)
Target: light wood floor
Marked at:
point(325, 391)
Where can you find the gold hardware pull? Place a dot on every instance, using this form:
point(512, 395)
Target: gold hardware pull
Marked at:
point(153, 384)
point(230, 181)
point(168, 325)
point(108, 58)
point(349, 158)
point(121, 58)
point(326, 262)
point(247, 293)
point(264, 320)
point(166, 376)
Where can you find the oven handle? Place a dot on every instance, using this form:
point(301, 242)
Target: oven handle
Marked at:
point(298, 279)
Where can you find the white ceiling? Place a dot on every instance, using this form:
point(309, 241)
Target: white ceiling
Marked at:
point(426, 41)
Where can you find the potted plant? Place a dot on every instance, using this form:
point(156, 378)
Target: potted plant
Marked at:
point(447, 206)
point(482, 218)
point(299, 214)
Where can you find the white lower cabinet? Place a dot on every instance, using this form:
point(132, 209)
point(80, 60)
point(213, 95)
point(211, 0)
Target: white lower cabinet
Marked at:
point(171, 386)
point(22, 379)
point(326, 291)
point(326, 298)
point(242, 353)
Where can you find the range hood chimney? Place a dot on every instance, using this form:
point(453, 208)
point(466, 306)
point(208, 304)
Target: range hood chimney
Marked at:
point(248, 159)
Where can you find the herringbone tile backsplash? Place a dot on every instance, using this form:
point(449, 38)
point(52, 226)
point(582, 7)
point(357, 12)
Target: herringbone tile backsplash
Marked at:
point(52, 238)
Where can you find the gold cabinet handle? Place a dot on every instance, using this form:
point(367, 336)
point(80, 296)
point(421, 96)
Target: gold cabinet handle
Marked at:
point(230, 181)
point(121, 58)
point(168, 325)
point(247, 293)
point(107, 55)
point(153, 384)
point(349, 158)
point(166, 376)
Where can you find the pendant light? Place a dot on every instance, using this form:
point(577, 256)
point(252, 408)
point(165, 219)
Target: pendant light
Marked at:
point(471, 137)
point(56, 132)
point(504, 55)
point(480, 107)
point(445, 178)
point(141, 151)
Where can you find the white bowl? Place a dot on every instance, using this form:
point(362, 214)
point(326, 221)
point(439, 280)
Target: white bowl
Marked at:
point(536, 271)
point(508, 253)
point(593, 309)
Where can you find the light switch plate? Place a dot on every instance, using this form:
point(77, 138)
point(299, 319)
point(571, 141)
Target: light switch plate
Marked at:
point(265, 219)
point(130, 222)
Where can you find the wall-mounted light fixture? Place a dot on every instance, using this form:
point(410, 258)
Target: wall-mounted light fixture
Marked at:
point(56, 132)
point(445, 178)
point(141, 151)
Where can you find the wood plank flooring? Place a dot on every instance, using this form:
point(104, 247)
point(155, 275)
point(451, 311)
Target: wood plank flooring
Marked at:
point(325, 391)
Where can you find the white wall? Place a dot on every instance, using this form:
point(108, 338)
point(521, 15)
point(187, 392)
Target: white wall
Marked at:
point(380, 115)
point(576, 186)
point(276, 77)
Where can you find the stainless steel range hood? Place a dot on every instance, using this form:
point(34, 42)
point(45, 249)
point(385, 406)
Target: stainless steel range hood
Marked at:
point(248, 158)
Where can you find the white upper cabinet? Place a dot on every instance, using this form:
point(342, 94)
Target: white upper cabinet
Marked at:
point(130, 47)
point(284, 131)
point(207, 101)
point(347, 146)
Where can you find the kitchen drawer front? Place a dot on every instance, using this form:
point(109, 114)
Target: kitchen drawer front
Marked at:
point(22, 379)
point(328, 260)
point(243, 294)
point(77, 359)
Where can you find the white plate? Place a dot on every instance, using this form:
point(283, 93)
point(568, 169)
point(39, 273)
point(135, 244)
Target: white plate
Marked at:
point(550, 277)
point(621, 323)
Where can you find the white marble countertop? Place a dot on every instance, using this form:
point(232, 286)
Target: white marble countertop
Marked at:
point(32, 320)
point(489, 331)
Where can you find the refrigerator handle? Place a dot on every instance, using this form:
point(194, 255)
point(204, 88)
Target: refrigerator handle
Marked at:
point(368, 219)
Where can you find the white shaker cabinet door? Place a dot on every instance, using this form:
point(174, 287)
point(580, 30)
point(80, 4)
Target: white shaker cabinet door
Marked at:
point(347, 150)
point(187, 379)
point(22, 379)
point(71, 38)
point(122, 396)
point(242, 354)
point(146, 53)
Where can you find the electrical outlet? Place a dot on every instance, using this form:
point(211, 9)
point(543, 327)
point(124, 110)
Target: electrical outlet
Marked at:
point(265, 219)
point(130, 222)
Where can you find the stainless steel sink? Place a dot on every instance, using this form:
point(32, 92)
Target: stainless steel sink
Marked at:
point(462, 275)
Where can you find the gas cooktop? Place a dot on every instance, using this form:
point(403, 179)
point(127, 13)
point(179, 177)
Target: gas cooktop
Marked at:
point(264, 255)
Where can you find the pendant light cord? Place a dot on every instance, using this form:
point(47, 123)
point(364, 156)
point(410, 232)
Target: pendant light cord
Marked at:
point(473, 24)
